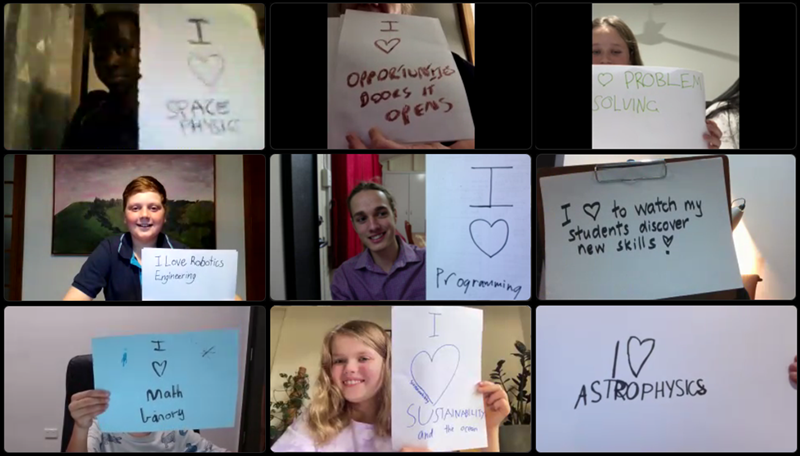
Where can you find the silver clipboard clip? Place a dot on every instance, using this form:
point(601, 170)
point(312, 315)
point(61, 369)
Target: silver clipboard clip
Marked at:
point(631, 171)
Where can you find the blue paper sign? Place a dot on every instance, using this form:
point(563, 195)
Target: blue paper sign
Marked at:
point(163, 382)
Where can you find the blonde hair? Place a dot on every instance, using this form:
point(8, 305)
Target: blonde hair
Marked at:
point(405, 8)
point(327, 414)
point(624, 32)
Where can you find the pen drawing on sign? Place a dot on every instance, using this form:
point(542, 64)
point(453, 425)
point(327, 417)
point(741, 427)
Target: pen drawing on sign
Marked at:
point(639, 352)
point(488, 239)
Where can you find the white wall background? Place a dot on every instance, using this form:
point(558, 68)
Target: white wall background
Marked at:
point(46, 277)
point(765, 238)
point(701, 37)
point(300, 331)
point(38, 343)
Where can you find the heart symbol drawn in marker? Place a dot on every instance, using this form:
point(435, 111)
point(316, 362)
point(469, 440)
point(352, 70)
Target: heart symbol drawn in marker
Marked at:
point(156, 363)
point(586, 209)
point(638, 354)
point(429, 372)
point(610, 78)
point(668, 240)
point(386, 44)
point(489, 239)
point(207, 69)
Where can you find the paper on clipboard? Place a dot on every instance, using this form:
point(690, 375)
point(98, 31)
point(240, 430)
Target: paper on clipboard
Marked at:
point(649, 239)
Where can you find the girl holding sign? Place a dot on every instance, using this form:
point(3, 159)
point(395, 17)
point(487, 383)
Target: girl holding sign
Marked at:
point(613, 43)
point(351, 408)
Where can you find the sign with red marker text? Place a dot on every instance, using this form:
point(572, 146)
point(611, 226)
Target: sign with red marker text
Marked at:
point(394, 72)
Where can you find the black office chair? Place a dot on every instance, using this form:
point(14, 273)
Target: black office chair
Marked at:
point(80, 377)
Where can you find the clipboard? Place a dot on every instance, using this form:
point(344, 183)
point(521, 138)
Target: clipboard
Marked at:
point(634, 173)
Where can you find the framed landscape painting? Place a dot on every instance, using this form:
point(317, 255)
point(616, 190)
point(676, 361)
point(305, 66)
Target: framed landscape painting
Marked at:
point(87, 198)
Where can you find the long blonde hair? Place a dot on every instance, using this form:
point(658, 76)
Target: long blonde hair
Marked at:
point(327, 414)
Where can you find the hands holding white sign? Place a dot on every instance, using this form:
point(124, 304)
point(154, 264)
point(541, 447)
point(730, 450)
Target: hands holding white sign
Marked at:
point(393, 75)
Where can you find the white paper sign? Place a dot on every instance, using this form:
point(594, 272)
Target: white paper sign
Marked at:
point(189, 275)
point(647, 239)
point(395, 72)
point(666, 379)
point(478, 227)
point(637, 107)
point(202, 84)
point(436, 368)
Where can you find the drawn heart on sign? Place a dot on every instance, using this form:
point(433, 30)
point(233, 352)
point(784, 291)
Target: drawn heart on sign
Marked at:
point(207, 69)
point(428, 371)
point(636, 354)
point(488, 239)
point(156, 363)
point(586, 209)
point(386, 44)
point(610, 78)
point(667, 240)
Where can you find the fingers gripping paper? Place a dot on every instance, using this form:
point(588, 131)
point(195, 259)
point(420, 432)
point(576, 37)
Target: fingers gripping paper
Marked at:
point(162, 382)
point(647, 107)
point(202, 84)
point(648, 239)
point(396, 73)
point(478, 227)
point(436, 367)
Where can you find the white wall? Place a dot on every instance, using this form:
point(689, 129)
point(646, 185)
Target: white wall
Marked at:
point(765, 239)
point(46, 277)
point(701, 37)
point(38, 343)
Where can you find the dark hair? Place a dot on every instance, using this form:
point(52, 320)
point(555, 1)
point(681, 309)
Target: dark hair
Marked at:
point(107, 18)
point(371, 186)
point(729, 101)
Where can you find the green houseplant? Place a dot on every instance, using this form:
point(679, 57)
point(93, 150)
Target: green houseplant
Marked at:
point(515, 434)
point(286, 411)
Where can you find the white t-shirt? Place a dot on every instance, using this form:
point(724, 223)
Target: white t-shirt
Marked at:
point(355, 438)
point(186, 441)
point(728, 123)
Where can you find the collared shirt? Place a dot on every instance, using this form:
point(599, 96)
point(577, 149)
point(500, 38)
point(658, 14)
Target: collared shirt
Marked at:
point(113, 268)
point(359, 278)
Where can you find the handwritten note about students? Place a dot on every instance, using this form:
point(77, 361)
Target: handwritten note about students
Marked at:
point(162, 382)
point(394, 72)
point(202, 84)
point(647, 239)
point(647, 107)
point(189, 275)
point(436, 367)
point(478, 227)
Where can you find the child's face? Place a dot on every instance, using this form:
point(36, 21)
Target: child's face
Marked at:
point(608, 48)
point(352, 360)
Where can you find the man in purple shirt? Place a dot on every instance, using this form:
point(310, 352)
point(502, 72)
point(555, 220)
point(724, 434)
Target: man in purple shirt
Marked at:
point(389, 268)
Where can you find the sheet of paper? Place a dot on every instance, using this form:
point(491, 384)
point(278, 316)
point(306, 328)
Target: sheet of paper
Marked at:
point(202, 84)
point(163, 382)
point(636, 107)
point(666, 379)
point(189, 275)
point(478, 212)
point(436, 359)
point(396, 72)
point(647, 239)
